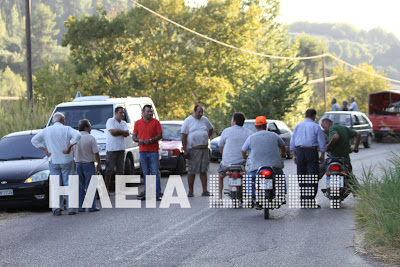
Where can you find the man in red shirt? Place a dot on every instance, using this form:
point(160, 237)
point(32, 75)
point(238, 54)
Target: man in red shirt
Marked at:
point(147, 131)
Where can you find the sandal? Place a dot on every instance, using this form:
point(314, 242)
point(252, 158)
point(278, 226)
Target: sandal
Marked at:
point(190, 194)
point(206, 194)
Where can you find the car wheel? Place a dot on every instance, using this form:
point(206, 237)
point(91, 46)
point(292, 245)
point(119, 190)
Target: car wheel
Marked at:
point(128, 168)
point(180, 166)
point(367, 144)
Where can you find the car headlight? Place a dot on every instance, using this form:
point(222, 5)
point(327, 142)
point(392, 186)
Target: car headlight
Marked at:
point(102, 147)
point(39, 176)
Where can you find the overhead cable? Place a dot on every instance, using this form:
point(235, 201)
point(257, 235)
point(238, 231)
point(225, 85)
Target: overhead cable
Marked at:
point(260, 54)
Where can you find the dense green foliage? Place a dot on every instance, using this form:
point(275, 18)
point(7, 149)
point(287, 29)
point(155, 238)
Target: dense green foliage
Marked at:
point(375, 47)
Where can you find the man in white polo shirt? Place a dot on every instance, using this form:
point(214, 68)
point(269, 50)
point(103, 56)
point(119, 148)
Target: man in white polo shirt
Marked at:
point(116, 130)
point(230, 145)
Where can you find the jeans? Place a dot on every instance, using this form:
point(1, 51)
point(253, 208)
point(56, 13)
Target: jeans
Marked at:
point(150, 164)
point(85, 172)
point(62, 170)
point(252, 175)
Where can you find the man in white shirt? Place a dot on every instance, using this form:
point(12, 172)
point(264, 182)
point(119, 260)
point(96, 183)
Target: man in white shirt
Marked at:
point(56, 141)
point(230, 146)
point(116, 130)
point(196, 131)
point(353, 104)
point(335, 106)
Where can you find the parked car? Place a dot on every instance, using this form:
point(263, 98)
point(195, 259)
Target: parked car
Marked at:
point(276, 126)
point(172, 152)
point(355, 120)
point(98, 109)
point(24, 172)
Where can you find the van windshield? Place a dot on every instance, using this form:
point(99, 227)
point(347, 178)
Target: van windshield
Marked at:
point(96, 114)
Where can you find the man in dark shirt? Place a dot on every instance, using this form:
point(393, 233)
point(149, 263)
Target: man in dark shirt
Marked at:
point(339, 140)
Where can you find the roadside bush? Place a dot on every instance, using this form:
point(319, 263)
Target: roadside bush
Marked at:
point(378, 208)
point(15, 116)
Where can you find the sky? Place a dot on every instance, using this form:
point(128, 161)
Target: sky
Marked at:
point(363, 14)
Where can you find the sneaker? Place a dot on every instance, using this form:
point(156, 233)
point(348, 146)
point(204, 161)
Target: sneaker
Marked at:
point(81, 210)
point(142, 194)
point(190, 194)
point(57, 212)
point(71, 213)
point(158, 198)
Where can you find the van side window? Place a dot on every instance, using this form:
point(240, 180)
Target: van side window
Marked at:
point(135, 112)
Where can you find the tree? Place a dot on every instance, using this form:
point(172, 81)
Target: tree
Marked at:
point(356, 83)
point(43, 43)
point(11, 84)
point(273, 96)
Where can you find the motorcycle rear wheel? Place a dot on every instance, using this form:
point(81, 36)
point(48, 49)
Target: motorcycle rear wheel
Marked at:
point(266, 213)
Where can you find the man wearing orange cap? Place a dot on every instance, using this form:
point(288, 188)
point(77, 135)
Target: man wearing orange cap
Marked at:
point(264, 149)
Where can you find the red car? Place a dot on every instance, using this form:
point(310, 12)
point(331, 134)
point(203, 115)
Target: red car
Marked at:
point(172, 151)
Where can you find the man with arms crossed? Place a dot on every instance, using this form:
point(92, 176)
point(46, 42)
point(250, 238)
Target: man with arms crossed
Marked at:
point(56, 141)
point(196, 131)
point(147, 132)
point(116, 130)
point(230, 146)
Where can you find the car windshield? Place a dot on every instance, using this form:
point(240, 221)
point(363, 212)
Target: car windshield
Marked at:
point(343, 119)
point(250, 126)
point(171, 132)
point(96, 114)
point(19, 147)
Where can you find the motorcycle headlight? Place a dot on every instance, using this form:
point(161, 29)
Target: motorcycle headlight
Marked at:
point(39, 176)
point(102, 147)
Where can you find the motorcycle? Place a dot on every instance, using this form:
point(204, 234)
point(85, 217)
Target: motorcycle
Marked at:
point(338, 181)
point(235, 173)
point(270, 190)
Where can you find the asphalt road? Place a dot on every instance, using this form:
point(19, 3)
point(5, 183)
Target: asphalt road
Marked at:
point(199, 236)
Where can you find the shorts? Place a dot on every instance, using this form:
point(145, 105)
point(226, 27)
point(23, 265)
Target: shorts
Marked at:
point(222, 170)
point(198, 160)
point(115, 160)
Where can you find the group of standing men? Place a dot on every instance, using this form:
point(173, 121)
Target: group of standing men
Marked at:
point(237, 144)
point(337, 107)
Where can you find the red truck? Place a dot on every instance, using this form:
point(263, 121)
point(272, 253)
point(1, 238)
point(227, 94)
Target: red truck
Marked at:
point(384, 113)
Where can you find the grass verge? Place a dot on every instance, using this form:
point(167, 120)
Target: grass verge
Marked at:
point(377, 212)
point(15, 116)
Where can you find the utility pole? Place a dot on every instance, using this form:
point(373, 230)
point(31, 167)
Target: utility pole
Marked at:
point(28, 53)
point(323, 77)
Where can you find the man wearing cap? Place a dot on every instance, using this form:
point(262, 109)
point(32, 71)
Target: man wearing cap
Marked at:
point(264, 149)
point(307, 139)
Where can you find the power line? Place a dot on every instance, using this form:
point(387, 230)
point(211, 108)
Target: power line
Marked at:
point(260, 54)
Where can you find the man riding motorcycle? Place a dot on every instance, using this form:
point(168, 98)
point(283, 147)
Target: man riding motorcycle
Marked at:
point(339, 143)
point(264, 149)
point(230, 145)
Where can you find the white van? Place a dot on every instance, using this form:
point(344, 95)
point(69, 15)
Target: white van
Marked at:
point(98, 109)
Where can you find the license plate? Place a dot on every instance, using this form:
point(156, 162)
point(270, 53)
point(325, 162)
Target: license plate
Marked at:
point(267, 184)
point(235, 182)
point(164, 153)
point(385, 129)
point(336, 178)
point(6, 192)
